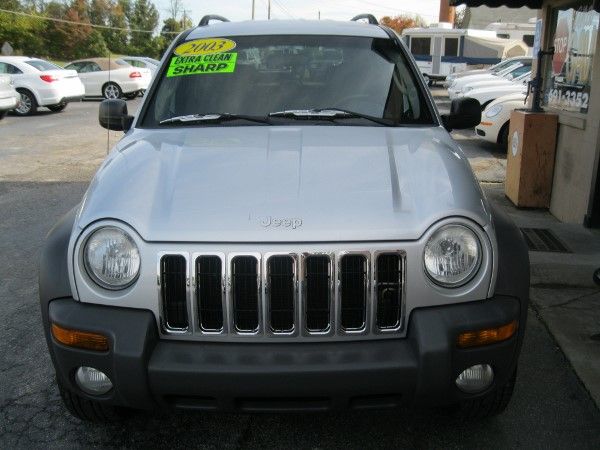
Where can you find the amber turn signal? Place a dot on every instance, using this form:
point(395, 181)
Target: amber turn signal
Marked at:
point(80, 339)
point(487, 336)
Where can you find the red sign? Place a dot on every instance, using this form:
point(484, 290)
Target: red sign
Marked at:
point(561, 42)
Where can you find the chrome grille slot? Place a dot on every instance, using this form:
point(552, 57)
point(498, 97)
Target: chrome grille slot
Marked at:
point(317, 293)
point(173, 282)
point(388, 290)
point(353, 291)
point(281, 288)
point(209, 291)
point(245, 293)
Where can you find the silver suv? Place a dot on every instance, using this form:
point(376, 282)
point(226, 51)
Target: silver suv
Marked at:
point(286, 225)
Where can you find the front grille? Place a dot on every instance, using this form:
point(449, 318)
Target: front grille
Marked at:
point(317, 293)
point(209, 292)
point(287, 295)
point(173, 280)
point(353, 291)
point(281, 288)
point(389, 290)
point(244, 283)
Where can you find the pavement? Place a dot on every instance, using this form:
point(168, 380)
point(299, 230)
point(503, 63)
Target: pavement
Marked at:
point(46, 163)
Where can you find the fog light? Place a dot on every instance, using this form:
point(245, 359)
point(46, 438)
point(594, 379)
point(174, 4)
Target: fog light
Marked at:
point(92, 381)
point(475, 379)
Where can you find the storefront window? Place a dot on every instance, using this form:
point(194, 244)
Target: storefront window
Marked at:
point(569, 75)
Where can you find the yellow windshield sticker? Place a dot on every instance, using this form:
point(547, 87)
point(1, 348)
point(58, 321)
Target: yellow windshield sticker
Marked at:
point(202, 64)
point(205, 47)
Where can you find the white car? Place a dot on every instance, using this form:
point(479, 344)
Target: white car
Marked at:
point(9, 98)
point(502, 65)
point(487, 95)
point(457, 87)
point(41, 83)
point(110, 78)
point(495, 119)
point(142, 62)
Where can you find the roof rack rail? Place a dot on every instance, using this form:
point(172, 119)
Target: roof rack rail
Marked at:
point(370, 17)
point(206, 19)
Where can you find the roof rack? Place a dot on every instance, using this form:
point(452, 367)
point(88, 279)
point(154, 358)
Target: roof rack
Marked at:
point(206, 19)
point(370, 17)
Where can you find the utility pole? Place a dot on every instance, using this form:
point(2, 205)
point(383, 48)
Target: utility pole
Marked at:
point(269, 10)
point(253, 4)
point(319, 15)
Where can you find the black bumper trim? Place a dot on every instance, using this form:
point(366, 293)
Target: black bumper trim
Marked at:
point(147, 371)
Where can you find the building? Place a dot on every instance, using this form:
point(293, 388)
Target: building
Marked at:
point(482, 16)
point(572, 91)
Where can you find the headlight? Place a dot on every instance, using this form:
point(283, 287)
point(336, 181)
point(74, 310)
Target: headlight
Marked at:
point(452, 255)
point(493, 111)
point(111, 258)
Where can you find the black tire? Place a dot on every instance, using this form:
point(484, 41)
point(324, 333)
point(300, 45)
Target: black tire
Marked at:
point(57, 108)
point(491, 404)
point(131, 95)
point(89, 410)
point(3, 114)
point(28, 104)
point(503, 136)
point(112, 91)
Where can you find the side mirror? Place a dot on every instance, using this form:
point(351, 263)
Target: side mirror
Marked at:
point(464, 113)
point(113, 115)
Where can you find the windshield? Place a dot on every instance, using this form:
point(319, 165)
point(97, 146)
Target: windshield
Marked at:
point(517, 72)
point(260, 75)
point(42, 65)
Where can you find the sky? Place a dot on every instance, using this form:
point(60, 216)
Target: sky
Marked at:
point(306, 9)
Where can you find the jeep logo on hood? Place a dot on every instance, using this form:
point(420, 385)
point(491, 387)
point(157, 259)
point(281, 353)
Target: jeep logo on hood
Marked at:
point(280, 222)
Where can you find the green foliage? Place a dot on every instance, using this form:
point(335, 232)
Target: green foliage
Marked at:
point(64, 41)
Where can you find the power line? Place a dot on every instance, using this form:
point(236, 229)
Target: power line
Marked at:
point(284, 9)
point(72, 22)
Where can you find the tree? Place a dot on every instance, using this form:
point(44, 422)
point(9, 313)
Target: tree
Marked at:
point(402, 21)
point(144, 16)
point(462, 17)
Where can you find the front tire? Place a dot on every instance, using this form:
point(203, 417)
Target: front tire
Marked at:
point(503, 136)
point(88, 410)
point(3, 114)
point(57, 108)
point(111, 91)
point(28, 104)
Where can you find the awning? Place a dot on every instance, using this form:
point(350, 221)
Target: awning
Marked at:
point(533, 4)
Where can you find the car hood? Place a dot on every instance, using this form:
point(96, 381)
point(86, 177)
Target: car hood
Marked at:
point(283, 184)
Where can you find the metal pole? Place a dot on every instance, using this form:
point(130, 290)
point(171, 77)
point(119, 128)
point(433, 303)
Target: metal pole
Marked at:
point(319, 15)
point(269, 11)
point(253, 4)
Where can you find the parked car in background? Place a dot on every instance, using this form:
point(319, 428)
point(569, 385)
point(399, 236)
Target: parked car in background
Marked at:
point(495, 120)
point(41, 83)
point(457, 88)
point(110, 78)
point(495, 69)
point(487, 95)
point(142, 62)
point(9, 97)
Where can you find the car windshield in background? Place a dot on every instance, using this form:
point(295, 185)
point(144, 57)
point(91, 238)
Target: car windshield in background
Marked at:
point(255, 76)
point(42, 65)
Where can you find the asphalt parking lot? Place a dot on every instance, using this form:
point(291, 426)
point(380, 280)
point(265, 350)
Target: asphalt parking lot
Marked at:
point(46, 163)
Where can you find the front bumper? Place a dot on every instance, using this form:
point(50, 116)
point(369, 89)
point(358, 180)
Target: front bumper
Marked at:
point(148, 372)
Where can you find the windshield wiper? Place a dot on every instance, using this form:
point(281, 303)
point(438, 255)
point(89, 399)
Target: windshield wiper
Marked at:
point(328, 114)
point(215, 118)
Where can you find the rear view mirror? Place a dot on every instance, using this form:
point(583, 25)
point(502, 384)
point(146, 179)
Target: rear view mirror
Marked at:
point(113, 115)
point(464, 113)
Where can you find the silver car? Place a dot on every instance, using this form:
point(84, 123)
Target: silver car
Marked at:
point(285, 225)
